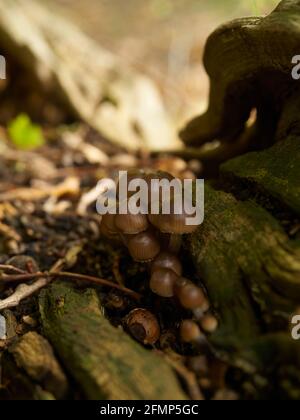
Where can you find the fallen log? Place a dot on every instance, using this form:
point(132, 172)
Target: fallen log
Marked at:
point(105, 361)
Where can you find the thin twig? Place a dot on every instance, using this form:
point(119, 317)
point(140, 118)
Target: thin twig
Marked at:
point(18, 278)
point(8, 267)
point(96, 280)
point(24, 290)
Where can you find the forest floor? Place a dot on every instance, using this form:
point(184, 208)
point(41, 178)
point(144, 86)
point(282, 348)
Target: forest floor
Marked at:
point(48, 220)
point(46, 212)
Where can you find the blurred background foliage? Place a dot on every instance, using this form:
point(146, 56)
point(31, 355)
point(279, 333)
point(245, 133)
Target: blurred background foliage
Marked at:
point(162, 38)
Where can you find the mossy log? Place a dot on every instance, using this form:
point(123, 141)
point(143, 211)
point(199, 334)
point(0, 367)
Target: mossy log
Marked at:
point(250, 264)
point(106, 362)
point(247, 252)
point(272, 173)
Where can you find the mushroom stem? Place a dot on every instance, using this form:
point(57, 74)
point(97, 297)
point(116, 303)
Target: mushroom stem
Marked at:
point(175, 243)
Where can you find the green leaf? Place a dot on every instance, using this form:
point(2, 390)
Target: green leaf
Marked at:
point(24, 134)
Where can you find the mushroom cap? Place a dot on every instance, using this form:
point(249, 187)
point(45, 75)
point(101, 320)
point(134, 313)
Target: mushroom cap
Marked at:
point(108, 223)
point(172, 223)
point(114, 237)
point(209, 323)
point(153, 188)
point(189, 295)
point(190, 331)
point(167, 260)
point(143, 247)
point(131, 224)
point(162, 282)
point(131, 176)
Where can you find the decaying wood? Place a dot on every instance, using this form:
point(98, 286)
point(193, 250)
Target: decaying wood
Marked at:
point(94, 85)
point(104, 360)
point(22, 292)
point(22, 387)
point(34, 354)
point(251, 270)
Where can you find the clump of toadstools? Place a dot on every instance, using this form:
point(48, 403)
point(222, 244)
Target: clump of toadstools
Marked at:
point(155, 239)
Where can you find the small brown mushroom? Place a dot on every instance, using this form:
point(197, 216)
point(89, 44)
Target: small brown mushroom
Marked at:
point(144, 246)
point(143, 326)
point(130, 224)
point(173, 224)
point(209, 324)
point(134, 174)
point(108, 229)
point(162, 282)
point(190, 331)
point(189, 295)
point(169, 261)
point(154, 189)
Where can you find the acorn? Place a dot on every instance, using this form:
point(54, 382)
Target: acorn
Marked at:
point(130, 224)
point(143, 326)
point(162, 282)
point(143, 247)
point(169, 261)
